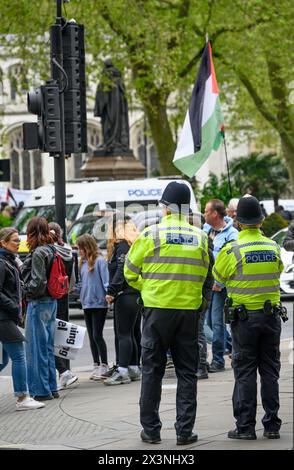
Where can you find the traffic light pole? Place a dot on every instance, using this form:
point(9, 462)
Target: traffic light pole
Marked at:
point(57, 74)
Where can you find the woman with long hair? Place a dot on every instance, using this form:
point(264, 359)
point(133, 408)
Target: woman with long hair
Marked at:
point(94, 282)
point(11, 339)
point(41, 311)
point(66, 377)
point(122, 233)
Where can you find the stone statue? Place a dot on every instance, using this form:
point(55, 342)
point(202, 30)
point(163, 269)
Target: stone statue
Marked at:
point(111, 105)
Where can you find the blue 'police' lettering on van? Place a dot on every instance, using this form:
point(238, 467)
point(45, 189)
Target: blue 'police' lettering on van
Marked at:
point(181, 239)
point(265, 256)
point(145, 192)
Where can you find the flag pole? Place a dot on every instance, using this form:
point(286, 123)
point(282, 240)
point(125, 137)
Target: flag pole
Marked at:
point(228, 168)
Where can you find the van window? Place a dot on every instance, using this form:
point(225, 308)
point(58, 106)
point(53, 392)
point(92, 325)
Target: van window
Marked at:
point(133, 206)
point(24, 216)
point(91, 208)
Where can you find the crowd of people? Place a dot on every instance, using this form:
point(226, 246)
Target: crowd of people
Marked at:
point(134, 277)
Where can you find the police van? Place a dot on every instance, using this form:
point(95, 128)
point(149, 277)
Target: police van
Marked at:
point(86, 197)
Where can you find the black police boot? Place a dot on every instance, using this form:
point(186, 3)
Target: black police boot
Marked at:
point(186, 440)
point(202, 373)
point(149, 439)
point(235, 434)
point(271, 434)
point(214, 367)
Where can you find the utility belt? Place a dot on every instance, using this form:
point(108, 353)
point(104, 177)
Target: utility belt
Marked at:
point(240, 311)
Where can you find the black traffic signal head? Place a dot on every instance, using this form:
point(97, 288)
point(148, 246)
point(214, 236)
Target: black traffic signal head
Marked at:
point(75, 106)
point(35, 101)
point(44, 102)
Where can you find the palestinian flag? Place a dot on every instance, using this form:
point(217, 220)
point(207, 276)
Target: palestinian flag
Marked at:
point(203, 128)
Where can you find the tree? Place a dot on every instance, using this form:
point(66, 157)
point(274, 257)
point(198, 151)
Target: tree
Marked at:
point(161, 41)
point(218, 188)
point(264, 176)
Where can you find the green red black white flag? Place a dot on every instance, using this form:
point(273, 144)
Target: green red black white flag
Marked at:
point(203, 129)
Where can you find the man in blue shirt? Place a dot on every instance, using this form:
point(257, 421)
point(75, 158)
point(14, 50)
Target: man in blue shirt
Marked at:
point(220, 229)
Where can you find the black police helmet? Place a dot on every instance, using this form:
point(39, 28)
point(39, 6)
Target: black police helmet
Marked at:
point(249, 211)
point(176, 197)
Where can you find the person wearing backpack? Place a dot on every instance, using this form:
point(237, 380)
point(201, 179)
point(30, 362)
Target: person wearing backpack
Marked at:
point(66, 377)
point(94, 283)
point(41, 311)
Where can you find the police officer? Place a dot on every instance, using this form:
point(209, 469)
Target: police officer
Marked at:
point(168, 263)
point(250, 269)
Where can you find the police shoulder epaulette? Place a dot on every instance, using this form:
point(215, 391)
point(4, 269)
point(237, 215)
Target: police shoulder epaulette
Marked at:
point(232, 243)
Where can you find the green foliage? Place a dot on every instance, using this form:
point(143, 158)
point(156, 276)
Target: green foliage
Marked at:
point(273, 223)
point(217, 188)
point(5, 221)
point(264, 176)
point(157, 44)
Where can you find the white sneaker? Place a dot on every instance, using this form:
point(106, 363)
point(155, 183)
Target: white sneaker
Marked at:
point(99, 372)
point(66, 379)
point(94, 375)
point(29, 404)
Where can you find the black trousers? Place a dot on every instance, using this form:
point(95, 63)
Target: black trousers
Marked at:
point(176, 330)
point(126, 312)
point(95, 320)
point(256, 346)
point(62, 364)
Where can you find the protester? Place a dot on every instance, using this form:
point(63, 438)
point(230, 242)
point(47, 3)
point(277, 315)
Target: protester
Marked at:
point(264, 213)
point(94, 282)
point(232, 211)
point(11, 339)
point(202, 372)
point(288, 242)
point(41, 311)
point(168, 263)
point(121, 235)
point(66, 377)
point(220, 229)
point(284, 213)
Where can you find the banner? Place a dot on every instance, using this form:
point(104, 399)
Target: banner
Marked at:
point(66, 353)
point(68, 339)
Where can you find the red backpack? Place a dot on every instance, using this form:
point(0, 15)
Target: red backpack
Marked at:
point(58, 284)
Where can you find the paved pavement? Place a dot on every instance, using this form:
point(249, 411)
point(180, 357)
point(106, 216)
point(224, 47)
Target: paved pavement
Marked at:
point(91, 416)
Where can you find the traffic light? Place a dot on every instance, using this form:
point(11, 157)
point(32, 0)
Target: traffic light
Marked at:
point(75, 106)
point(44, 135)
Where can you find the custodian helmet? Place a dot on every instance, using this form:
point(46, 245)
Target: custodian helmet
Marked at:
point(176, 197)
point(249, 211)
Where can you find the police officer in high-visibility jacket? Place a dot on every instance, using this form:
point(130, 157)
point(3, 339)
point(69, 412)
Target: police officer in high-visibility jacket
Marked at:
point(250, 269)
point(168, 263)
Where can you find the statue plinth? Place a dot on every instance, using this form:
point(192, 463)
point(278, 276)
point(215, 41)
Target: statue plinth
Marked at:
point(112, 152)
point(111, 166)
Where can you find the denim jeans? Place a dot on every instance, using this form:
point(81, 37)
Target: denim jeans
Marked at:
point(202, 344)
point(218, 326)
point(16, 352)
point(40, 328)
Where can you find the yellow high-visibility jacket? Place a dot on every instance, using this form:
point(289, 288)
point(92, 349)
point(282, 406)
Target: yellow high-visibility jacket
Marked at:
point(250, 269)
point(168, 263)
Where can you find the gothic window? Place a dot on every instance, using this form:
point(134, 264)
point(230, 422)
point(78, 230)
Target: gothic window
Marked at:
point(14, 158)
point(26, 165)
point(94, 137)
point(37, 164)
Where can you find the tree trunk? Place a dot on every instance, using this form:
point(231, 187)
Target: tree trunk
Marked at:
point(162, 135)
point(288, 152)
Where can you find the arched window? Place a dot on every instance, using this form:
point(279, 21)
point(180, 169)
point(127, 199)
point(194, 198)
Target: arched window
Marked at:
point(26, 165)
point(94, 136)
